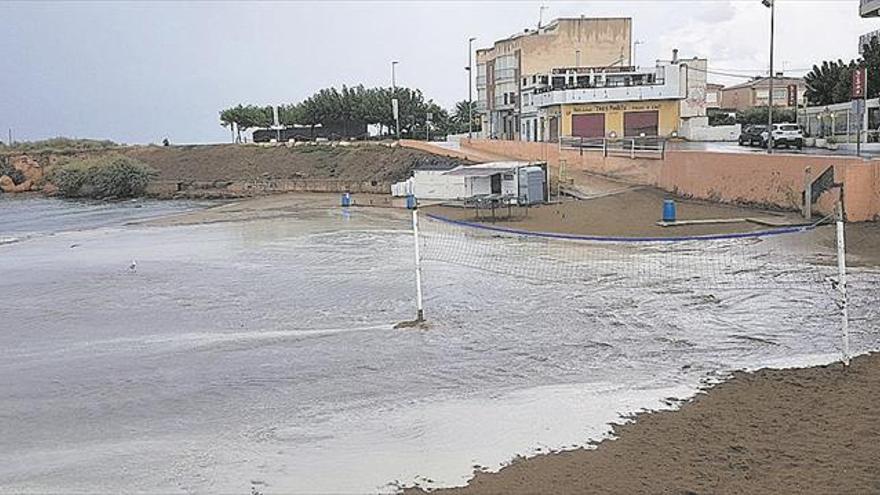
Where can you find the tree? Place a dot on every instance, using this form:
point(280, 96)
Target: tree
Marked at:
point(871, 60)
point(758, 115)
point(246, 117)
point(462, 114)
point(357, 104)
point(822, 82)
point(831, 82)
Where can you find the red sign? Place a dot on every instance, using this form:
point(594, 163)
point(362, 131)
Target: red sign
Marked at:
point(792, 95)
point(858, 83)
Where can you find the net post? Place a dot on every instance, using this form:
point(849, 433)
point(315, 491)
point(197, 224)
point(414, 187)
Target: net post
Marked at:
point(420, 312)
point(841, 282)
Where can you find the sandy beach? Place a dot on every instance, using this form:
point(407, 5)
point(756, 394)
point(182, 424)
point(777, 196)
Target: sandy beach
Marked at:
point(809, 431)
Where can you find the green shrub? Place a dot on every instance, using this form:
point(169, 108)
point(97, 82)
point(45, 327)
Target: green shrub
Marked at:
point(112, 176)
point(59, 144)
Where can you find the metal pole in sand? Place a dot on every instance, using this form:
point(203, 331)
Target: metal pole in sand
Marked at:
point(841, 283)
point(420, 315)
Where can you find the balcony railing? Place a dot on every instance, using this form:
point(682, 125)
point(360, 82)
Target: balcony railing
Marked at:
point(632, 147)
point(604, 85)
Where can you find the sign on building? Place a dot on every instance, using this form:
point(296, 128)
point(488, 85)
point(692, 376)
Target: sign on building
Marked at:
point(792, 95)
point(858, 83)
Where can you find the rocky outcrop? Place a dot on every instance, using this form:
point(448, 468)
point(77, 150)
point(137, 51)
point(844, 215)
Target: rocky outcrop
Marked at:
point(28, 172)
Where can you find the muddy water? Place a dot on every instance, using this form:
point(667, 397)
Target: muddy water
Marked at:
point(261, 355)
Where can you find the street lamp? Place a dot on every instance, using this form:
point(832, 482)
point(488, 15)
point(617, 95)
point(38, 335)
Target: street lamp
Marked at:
point(470, 88)
point(394, 104)
point(771, 4)
point(636, 43)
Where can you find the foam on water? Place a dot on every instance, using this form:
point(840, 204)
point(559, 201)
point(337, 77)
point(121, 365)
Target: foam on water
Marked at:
point(262, 354)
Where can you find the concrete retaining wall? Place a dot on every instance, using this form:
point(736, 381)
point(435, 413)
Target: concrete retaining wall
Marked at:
point(168, 188)
point(755, 179)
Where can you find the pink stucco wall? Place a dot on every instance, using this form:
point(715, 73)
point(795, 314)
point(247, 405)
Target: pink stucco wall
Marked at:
point(767, 180)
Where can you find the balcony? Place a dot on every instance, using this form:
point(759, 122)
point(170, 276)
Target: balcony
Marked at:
point(607, 95)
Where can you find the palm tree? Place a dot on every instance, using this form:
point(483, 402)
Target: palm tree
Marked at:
point(822, 81)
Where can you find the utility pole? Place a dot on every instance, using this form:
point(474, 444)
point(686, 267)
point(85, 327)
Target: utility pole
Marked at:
point(772, 5)
point(394, 102)
point(470, 72)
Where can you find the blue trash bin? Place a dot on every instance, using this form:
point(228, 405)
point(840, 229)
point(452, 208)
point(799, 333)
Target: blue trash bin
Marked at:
point(411, 202)
point(668, 210)
point(346, 199)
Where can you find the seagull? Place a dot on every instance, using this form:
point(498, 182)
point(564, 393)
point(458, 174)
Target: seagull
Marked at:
point(133, 266)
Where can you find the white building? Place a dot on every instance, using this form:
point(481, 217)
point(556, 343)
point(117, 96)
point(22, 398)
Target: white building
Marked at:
point(521, 182)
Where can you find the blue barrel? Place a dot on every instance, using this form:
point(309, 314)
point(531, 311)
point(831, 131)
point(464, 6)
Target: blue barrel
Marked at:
point(346, 199)
point(411, 202)
point(668, 210)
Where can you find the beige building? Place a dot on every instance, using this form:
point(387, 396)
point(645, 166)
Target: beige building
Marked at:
point(756, 93)
point(504, 69)
point(713, 95)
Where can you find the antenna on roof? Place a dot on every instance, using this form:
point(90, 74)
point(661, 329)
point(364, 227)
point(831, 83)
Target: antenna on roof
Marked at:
point(541, 15)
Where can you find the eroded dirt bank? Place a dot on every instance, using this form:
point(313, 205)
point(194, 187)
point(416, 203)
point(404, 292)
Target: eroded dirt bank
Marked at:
point(227, 170)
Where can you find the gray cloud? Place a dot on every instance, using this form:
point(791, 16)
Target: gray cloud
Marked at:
point(137, 72)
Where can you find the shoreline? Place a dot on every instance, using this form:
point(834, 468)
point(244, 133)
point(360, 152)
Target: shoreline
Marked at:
point(796, 430)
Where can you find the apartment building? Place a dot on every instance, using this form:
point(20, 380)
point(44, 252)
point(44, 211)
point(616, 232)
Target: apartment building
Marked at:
point(596, 102)
point(787, 92)
point(713, 95)
point(509, 73)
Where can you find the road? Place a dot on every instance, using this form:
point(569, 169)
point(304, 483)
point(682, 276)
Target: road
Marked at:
point(872, 150)
point(727, 147)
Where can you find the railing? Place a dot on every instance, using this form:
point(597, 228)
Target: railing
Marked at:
point(605, 85)
point(632, 147)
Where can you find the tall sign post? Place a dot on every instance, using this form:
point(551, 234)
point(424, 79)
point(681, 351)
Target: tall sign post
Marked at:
point(859, 102)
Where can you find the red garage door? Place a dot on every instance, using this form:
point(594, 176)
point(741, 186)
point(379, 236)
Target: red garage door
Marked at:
point(589, 125)
point(638, 123)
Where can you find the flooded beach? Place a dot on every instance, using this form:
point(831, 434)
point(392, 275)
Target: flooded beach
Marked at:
point(260, 353)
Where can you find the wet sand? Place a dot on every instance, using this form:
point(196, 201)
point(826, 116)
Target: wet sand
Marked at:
point(809, 431)
point(628, 212)
point(271, 207)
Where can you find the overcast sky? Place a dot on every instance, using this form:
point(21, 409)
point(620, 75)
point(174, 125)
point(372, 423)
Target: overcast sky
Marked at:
point(139, 71)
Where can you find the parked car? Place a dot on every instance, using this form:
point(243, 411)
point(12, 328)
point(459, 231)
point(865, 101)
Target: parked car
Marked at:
point(753, 135)
point(788, 135)
point(783, 134)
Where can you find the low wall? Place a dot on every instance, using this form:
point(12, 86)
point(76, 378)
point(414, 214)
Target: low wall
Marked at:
point(754, 179)
point(700, 130)
point(433, 148)
point(168, 188)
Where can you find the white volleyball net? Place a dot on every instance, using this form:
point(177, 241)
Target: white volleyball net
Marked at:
point(784, 258)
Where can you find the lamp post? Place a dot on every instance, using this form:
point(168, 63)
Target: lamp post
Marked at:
point(470, 73)
point(636, 44)
point(394, 104)
point(771, 4)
